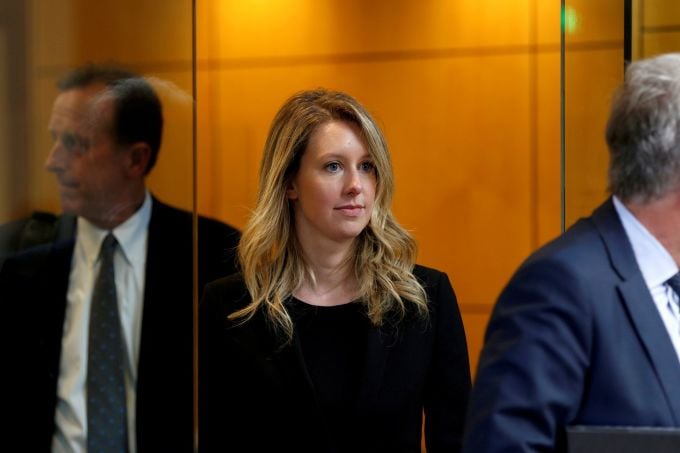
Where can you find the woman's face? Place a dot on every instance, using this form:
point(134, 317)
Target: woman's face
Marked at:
point(334, 189)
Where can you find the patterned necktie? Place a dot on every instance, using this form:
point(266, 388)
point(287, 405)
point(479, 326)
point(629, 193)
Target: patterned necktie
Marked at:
point(674, 283)
point(106, 411)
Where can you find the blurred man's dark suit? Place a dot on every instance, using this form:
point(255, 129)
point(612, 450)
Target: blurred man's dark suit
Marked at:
point(574, 339)
point(33, 287)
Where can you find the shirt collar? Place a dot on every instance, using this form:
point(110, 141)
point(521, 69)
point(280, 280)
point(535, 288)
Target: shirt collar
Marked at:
point(129, 235)
point(654, 261)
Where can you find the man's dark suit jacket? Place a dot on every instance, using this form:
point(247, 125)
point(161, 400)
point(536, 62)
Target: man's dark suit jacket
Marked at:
point(575, 339)
point(33, 287)
point(256, 396)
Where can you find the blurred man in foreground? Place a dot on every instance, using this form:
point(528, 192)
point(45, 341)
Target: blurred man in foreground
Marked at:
point(587, 332)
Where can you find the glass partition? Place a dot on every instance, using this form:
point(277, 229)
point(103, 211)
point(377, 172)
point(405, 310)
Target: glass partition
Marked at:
point(40, 42)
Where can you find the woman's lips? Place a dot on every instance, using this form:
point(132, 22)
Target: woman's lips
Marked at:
point(351, 210)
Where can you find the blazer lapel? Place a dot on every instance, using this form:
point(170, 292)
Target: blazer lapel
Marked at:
point(638, 302)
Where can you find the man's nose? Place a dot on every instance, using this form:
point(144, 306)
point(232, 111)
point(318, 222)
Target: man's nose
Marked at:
point(54, 162)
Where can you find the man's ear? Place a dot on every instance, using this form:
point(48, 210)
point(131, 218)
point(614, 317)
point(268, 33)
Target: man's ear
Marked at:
point(138, 160)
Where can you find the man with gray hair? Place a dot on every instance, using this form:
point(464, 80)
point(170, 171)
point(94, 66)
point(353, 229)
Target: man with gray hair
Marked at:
point(587, 331)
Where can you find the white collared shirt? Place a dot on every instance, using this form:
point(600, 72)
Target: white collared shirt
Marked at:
point(657, 266)
point(130, 269)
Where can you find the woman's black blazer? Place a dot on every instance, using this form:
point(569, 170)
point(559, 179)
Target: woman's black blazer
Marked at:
point(255, 395)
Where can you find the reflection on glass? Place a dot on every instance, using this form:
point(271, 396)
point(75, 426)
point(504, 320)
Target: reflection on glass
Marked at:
point(79, 163)
point(106, 126)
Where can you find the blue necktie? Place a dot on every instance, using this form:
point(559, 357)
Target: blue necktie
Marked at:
point(106, 411)
point(674, 283)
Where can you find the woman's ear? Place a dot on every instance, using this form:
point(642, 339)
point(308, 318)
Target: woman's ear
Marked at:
point(291, 191)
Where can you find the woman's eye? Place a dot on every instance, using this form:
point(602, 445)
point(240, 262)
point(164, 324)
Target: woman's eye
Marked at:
point(333, 166)
point(367, 167)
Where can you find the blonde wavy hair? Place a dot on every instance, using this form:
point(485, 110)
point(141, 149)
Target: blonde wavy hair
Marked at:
point(269, 253)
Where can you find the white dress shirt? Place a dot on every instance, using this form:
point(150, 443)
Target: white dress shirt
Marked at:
point(657, 266)
point(130, 266)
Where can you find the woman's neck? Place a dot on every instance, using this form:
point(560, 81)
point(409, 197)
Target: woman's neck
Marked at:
point(331, 279)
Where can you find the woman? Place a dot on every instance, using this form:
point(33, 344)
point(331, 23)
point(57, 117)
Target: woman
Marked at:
point(330, 339)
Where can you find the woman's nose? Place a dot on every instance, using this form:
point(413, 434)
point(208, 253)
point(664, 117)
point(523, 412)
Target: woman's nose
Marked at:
point(354, 184)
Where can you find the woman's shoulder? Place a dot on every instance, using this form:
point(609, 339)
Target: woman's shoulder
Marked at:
point(228, 292)
point(435, 282)
point(428, 274)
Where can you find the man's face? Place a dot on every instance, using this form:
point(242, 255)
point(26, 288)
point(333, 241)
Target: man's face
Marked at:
point(90, 169)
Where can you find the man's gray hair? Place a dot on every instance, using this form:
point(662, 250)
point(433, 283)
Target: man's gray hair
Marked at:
point(643, 131)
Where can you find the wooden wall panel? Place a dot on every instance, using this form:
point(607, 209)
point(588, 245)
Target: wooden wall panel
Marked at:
point(660, 13)
point(548, 166)
point(467, 93)
point(593, 70)
point(662, 42)
point(234, 30)
point(147, 33)
point(452, 151)
point(594, 22)
point(657, 27)
point(592, 77)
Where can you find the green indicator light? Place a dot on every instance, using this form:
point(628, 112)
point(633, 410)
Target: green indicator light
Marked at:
point(569, 19)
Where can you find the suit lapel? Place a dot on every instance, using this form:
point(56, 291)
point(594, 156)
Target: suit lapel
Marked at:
point(167, 306)
point(155, 256)
point(165, 361)
point(638, 302)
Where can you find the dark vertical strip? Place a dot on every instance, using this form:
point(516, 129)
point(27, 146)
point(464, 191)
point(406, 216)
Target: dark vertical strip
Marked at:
point(627, 32)
point(194, 182)
point(533, 125)
point(563, 125)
